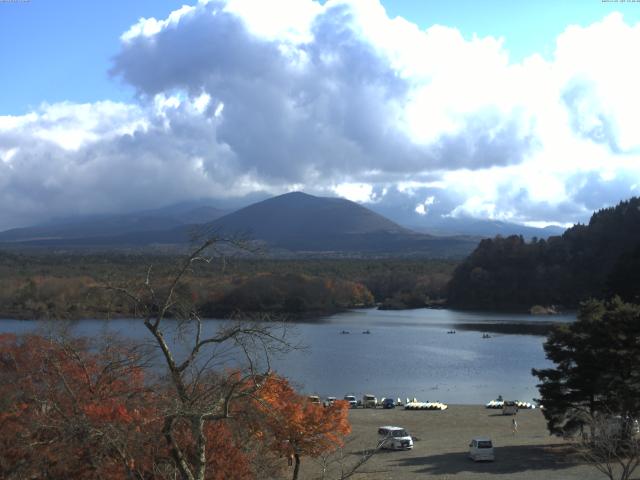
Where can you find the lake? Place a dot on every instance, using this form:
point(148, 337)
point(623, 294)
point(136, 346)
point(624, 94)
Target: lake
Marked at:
point(407, 354)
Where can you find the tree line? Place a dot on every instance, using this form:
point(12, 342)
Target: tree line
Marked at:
point(597, 260)
point(63, 286)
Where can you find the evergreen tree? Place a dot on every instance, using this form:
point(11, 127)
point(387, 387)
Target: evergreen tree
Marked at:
point(598, 260)
point(597, 366)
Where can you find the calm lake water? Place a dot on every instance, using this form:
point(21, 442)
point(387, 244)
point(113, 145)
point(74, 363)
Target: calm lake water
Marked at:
point(407, 354)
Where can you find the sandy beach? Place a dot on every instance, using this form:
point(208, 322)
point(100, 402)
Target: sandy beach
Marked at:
point(441, 447)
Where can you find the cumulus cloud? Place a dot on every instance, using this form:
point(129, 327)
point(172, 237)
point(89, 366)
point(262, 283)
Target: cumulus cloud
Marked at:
point(333, 102)
point(235, 97)
point(109, 157)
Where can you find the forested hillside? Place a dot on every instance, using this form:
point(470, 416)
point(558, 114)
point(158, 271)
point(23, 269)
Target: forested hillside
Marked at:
point(594, 260)
point(73, 286)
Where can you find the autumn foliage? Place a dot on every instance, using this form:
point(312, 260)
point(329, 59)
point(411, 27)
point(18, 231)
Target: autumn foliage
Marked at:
point(70, 409)
point(300, 426)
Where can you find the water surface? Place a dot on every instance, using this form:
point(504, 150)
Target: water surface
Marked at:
point(408, 353)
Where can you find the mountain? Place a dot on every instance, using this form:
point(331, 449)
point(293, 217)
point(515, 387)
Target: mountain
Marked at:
point(598, 260)
point(290, 224)
point(304, 223)
point(436, 222)
point(92, 228)
point(484, 228)
point(298, 215)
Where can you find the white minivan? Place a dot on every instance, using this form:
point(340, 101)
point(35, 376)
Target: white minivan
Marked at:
point(481, 448)
point(353, 403)
point(394, 438)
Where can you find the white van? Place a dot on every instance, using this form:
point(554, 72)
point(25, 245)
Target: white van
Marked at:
point(369, 401)
point(481, 448)
point(394, 438)
point(353, 403)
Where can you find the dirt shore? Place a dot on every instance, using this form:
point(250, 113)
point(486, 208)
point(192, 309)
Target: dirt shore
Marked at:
point(441, 447)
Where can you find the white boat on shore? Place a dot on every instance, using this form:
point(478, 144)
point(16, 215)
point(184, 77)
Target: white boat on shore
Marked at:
point(426, 406)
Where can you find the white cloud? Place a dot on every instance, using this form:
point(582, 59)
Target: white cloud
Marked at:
point(423, 207)
point(7, 155)
point(71, 126)
point(148, 27)
point(283, 20)
point(238, 96)
point(356, 192)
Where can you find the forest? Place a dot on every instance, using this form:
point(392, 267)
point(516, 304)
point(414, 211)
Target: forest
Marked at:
point(597, 260)
point(72, 286)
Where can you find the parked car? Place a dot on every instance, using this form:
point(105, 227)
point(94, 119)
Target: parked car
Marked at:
point(369, 401)
point(394, 438)
point(329, 401)
point(481, 449)
point(353, 402)
point(388, 403)
point(315, 399)
point(509, 408)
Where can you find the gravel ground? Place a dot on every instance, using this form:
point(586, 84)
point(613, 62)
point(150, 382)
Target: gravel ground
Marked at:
point(441, 447)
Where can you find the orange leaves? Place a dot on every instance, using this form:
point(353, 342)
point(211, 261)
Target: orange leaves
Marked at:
point(69, 410)
point(229, 460)
point(109, 412)
point(299, 426)
point(65, 407)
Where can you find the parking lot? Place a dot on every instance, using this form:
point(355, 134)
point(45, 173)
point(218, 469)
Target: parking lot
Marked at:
point(441, 447)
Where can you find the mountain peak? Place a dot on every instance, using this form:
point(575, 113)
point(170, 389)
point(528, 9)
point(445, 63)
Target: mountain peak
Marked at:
point(300, 218)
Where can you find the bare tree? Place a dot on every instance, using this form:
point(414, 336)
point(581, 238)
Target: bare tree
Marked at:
point(612, 446)
point(338, 465)
point(203, 392)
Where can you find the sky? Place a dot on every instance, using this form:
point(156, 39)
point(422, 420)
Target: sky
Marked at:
point(515, 111)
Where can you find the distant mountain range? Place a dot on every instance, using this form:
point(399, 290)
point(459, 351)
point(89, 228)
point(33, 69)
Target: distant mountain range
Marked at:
point(483, 228)
point(295, 223)
point(95, 227)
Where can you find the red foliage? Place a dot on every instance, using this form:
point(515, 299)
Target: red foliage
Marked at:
point(299, 426)
point(67, 412)
point(70, 411)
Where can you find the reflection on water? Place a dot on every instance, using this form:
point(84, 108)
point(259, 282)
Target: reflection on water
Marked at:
point(408, 353)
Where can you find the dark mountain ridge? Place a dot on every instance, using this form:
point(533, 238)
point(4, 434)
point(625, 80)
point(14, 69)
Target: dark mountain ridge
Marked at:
point(110, 226)
point(297, 215)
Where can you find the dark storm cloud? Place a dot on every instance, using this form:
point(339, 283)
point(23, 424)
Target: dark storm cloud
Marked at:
point(327, 108)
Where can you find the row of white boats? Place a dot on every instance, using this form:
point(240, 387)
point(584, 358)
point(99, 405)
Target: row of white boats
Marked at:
point(425, 406)
point(498, 404)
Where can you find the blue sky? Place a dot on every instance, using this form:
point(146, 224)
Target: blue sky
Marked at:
point(412, 107)
point(53, 51)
